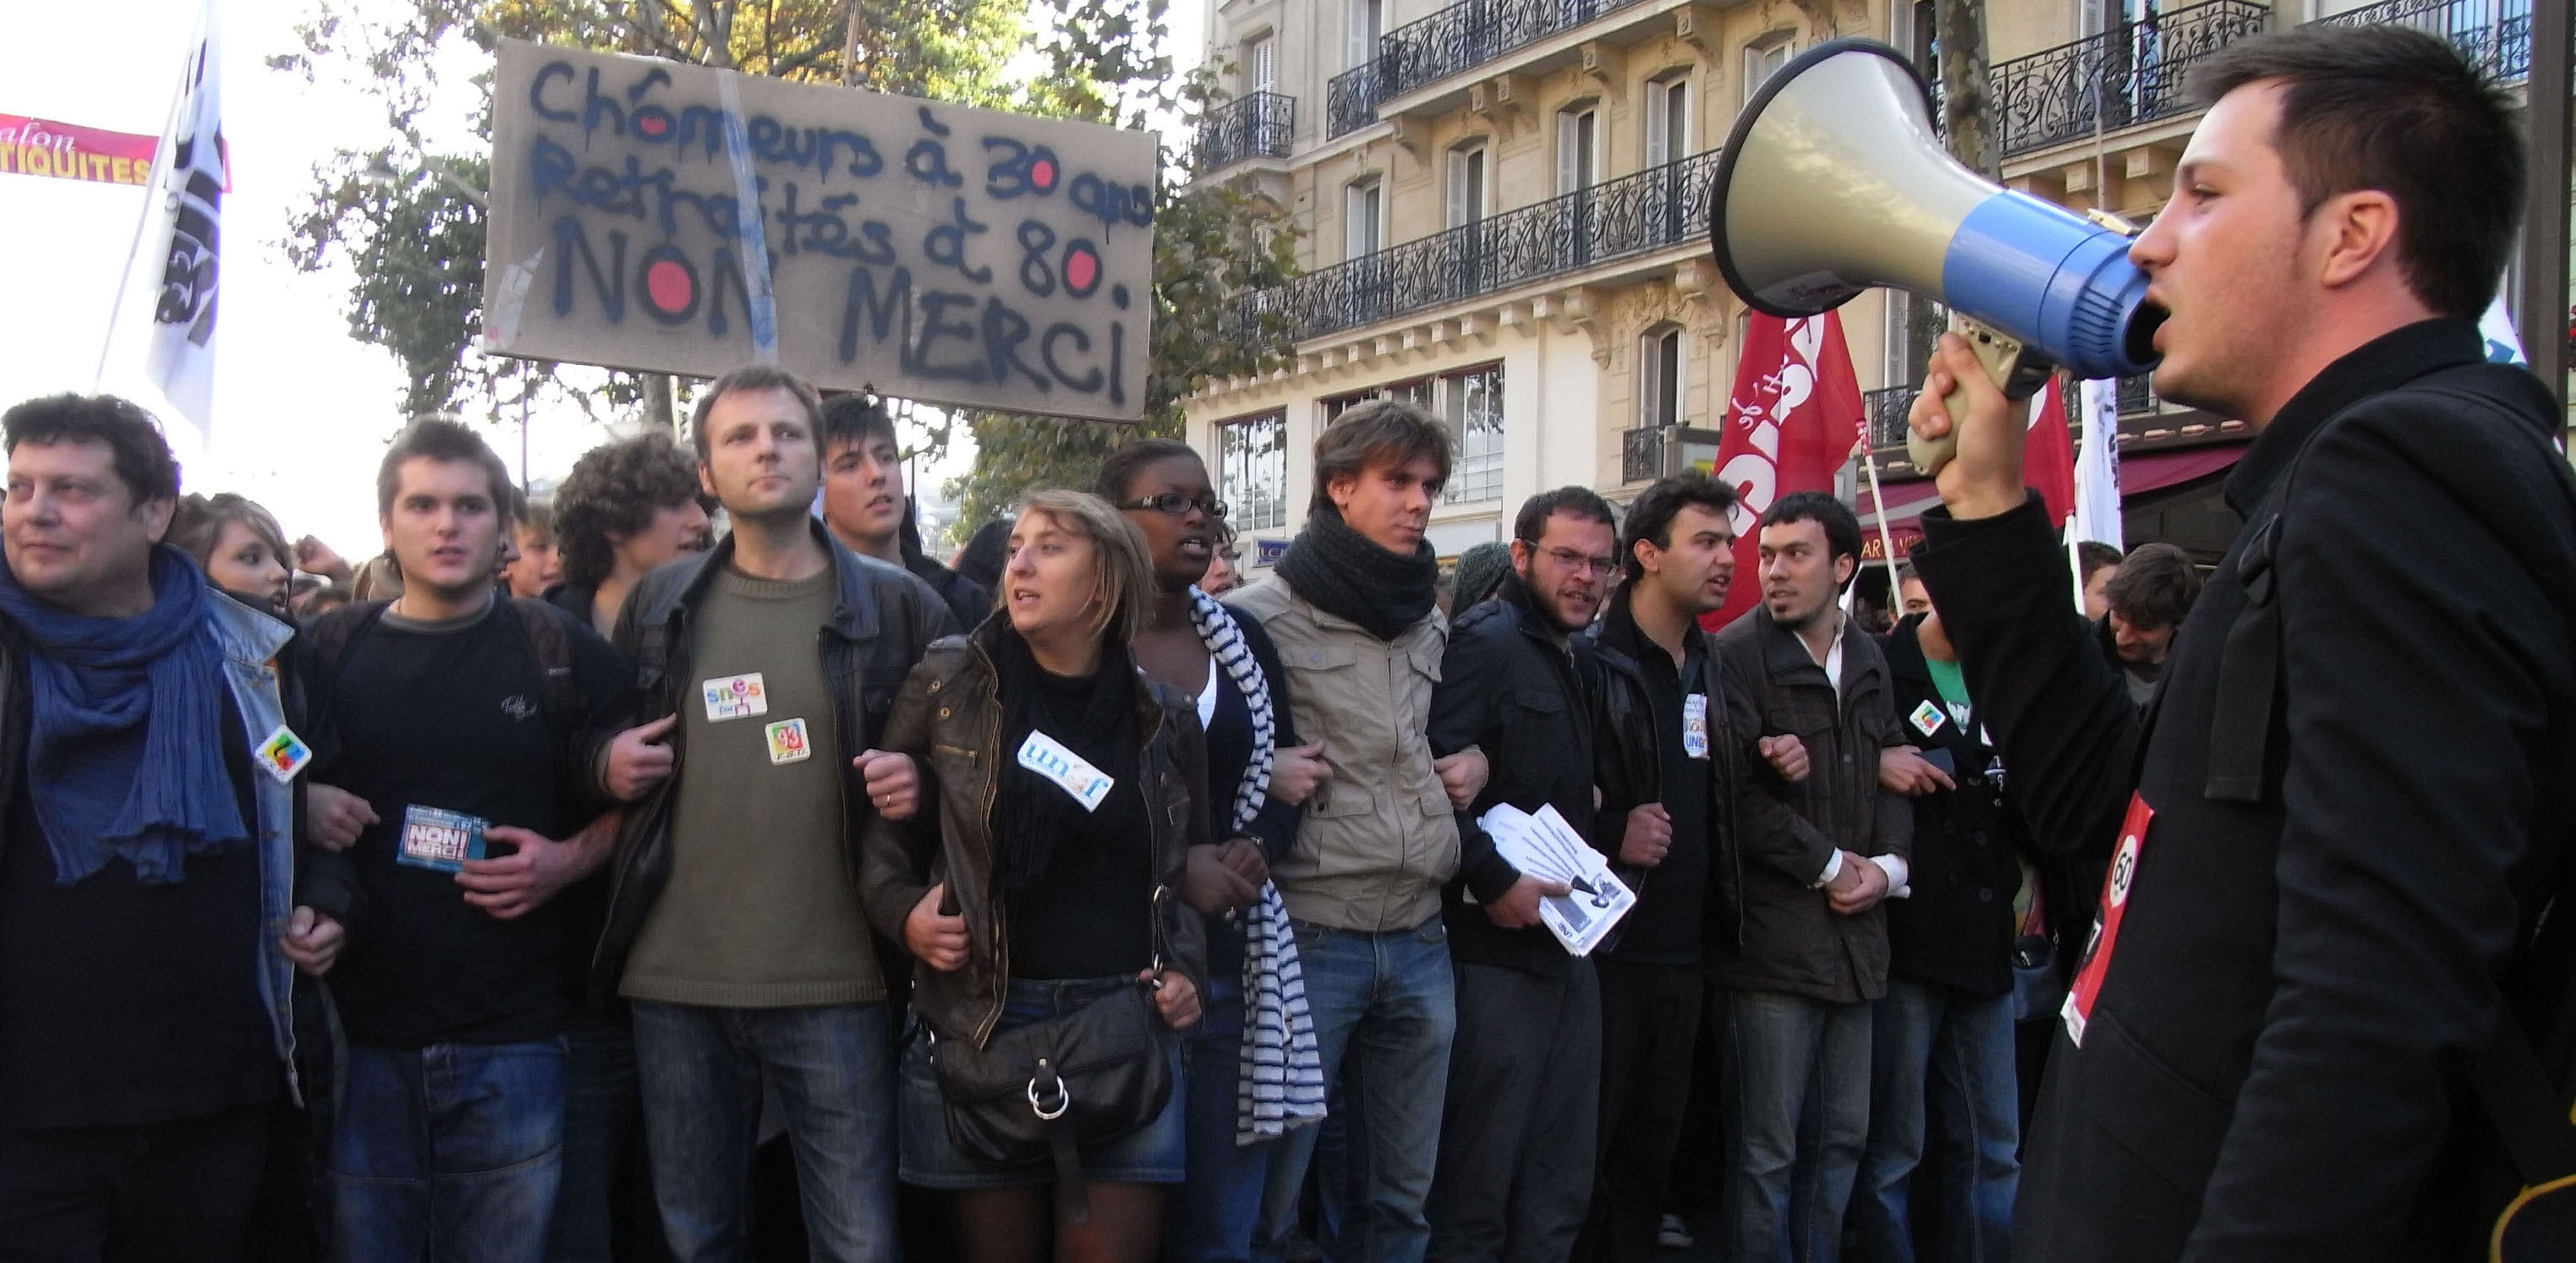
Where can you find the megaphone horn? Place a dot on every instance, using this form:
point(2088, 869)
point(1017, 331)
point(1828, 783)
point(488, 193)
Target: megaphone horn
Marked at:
point(1833, 182)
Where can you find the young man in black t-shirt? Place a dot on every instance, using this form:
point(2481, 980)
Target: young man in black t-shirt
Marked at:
point(441, 713)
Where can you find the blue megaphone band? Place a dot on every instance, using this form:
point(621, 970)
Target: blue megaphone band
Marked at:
point(2060, 283)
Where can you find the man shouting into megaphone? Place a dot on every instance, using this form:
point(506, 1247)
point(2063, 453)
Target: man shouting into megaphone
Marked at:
point(2318, 972)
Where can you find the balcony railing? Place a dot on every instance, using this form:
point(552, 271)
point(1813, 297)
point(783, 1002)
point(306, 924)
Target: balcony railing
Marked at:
point(1652, 209)
point(1350, 100)
point(1469, 34)
point(1258, 125)
point(2496, 34)
point(1884, 411)
point(2137, 72)
point(1641, 454)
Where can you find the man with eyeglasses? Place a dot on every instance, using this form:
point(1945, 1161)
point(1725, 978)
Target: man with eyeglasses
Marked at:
point(1514, 1175)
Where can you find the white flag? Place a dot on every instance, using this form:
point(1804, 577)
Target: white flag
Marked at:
point(2504, 345)
point(2097, 466)
point(168, 303)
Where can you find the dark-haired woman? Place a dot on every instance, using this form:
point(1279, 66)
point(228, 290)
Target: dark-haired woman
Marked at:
point(1069, 796)
point(1256, 780)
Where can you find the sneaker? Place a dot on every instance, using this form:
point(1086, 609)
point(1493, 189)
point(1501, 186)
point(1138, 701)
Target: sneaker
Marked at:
point(1673, 1234)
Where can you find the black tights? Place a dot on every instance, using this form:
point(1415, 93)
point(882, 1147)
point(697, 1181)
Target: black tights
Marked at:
point(1016, 1225)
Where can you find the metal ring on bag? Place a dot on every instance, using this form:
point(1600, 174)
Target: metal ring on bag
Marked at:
point(1063, 1095)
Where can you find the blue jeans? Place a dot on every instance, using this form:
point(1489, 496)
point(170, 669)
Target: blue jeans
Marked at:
point(1801, 1104)
point(1385, 1007)
point(1959, 1048)
point(599, 1114)
point(701, 1070)
point(1219, 1205)
point(451, 1152)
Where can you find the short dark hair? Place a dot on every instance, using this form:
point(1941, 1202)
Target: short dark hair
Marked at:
point(1125, 461)
point(615, 489)
point(2400, 111)
point(142, 456)
point(751, 379)
point(1842, 528)
point(848, 420)
point(1373, 432)
point(1651, 516)
point(986, 552)
point(2093, 556)
point(2156, 587)
point(1583, 504)
point(439, 439)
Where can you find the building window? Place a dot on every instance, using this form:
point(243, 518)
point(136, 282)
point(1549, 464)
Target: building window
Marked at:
point(1765, 59)
point(1668, 119)
point(1466, 185)
point(1252, 471)
point(1471, 401)
point(1263, 59)
point(1368, 17)
point(1578, 148)
point(1659, 377)
point(1363, 217)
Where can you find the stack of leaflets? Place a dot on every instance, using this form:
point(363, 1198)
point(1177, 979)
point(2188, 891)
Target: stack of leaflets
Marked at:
point(1546, 847)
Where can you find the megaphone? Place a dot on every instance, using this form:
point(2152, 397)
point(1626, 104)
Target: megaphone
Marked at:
point(1833, 182)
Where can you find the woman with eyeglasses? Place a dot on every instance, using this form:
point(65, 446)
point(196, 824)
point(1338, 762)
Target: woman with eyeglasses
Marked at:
point(1069, 792)
point(1257, 778)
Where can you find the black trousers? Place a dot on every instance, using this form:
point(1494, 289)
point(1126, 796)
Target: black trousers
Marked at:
point(1517, 1127)
point(164, 1193)
point(1650, 1018)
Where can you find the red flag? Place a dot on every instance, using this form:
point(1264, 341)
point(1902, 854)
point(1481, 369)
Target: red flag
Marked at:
point(2048, 459)
point(1792, 424)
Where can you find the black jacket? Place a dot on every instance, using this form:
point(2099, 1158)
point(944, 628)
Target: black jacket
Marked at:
point(1630, 760)
point(882, 621)
point(2271, 1068)
point(967, 600)
point(1956, 928)
point(1794, 943)
point(950, 720)
point(1509, 689)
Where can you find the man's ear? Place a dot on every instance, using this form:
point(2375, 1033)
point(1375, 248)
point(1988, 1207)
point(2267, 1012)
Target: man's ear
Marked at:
point(2359, 231)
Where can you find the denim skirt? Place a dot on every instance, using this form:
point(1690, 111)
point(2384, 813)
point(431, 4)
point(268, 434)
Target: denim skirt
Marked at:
point(1156, 1153)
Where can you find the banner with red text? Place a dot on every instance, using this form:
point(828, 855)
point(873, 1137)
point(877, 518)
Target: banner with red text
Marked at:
point(1791, 426)
point(46, 149)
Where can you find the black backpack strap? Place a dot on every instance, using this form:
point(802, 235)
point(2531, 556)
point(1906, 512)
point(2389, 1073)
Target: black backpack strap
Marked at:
point(550, 646)
point(328, 640)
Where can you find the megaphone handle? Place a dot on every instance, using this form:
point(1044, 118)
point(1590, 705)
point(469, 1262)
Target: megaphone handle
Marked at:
point(2014, 370)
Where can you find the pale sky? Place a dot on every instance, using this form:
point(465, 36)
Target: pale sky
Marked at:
point(301, 411)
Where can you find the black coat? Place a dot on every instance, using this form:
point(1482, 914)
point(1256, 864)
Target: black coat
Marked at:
point(1630, 760)
point(1794, 943)
point(1955, 928)
point(1509, 689)
point(2270, 1070)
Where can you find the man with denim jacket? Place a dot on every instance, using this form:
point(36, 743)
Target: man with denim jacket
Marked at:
point(149, 925)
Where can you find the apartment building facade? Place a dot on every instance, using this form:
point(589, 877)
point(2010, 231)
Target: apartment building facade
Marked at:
point(1503, 209)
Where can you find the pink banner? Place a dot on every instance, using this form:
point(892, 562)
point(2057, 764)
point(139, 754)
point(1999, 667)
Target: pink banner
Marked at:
point(61, 151)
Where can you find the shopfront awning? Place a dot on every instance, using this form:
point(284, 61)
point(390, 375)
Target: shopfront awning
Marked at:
point(2139, 475)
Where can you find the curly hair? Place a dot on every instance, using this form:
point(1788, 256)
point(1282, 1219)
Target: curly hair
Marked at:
point(614, 490)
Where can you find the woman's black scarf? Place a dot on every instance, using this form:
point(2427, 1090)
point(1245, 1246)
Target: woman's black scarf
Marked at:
point(1344, 573)
point(1032, 815)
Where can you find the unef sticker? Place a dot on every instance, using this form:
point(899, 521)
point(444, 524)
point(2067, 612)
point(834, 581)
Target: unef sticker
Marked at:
point(1695, 725)
point(787, 742)
point(734, 697)
point(1926, 719)
point(1047, 757)
point(284, 754)
point(2116, 884)
point(440, 840)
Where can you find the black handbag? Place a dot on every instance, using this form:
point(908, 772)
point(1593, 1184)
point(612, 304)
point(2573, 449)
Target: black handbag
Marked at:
point(1047, 1089)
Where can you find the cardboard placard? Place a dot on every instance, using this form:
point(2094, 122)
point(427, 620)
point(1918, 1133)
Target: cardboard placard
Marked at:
point(934, 252)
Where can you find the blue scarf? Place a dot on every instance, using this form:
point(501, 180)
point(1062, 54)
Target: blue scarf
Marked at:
point(118, 757)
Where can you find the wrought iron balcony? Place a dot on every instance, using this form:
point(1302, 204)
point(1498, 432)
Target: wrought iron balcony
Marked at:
point(1649, 452)
point(1257, 125)
point(1469, 34)
point(1884, 411)
point(2137, 72)
point(1350, 100)
point(1652, 209)
point(2496, 34)
point(2137, 396)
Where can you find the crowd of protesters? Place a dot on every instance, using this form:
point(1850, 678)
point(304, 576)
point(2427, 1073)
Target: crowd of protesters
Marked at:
point(689, 866)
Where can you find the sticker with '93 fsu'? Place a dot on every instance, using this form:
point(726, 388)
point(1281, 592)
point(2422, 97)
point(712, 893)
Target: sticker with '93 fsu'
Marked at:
point(284, 754)
point(439, 840)
point(788, 743)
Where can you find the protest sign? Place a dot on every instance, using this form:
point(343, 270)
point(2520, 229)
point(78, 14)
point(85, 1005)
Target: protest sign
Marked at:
point(653, 215)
